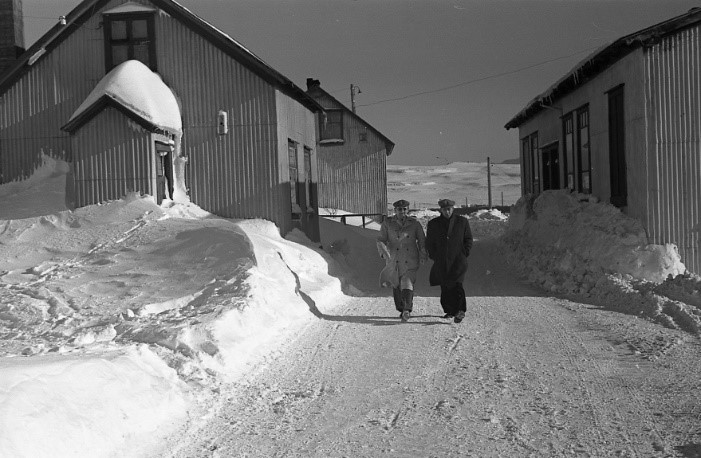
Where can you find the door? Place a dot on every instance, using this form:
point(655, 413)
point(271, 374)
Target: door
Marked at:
point(617, 148)
point(164, 172)
point(551, 167)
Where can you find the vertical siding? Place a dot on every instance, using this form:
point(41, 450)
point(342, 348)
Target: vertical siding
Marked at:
point(40, 102)
point(674, 150)
point(353, 175)
point(232, 175)
point(113, 158)
point(296, 123)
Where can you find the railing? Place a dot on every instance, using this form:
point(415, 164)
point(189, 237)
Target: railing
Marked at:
point(349, 215)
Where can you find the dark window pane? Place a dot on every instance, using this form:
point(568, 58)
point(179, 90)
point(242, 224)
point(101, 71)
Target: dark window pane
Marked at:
point(120, 53)
point(139, 29)
point(119, 30)
point(141, 54)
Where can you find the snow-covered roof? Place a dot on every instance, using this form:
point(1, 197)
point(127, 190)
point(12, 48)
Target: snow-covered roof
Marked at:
point(129, 7)
point(132, 86)
point(601, 59)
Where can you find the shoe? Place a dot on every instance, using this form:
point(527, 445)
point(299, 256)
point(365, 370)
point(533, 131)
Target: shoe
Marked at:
point(448, 316)
point(406, 315)
point(458, 318)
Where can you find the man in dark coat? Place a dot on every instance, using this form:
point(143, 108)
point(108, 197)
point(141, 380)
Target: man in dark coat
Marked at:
point(448, 242)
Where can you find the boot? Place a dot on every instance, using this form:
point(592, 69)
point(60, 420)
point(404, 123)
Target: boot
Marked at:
point(398, 302)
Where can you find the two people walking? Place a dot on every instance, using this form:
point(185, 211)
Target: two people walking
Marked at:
point(405, 247)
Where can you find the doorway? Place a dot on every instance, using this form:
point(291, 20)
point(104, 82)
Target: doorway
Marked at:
point(164, 172)
point(551, 167)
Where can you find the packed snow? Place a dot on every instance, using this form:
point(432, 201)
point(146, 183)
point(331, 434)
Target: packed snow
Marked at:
point(118, 322)
point(134, 86)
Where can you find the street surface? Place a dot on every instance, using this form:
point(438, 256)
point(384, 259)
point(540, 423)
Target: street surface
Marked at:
point(524, 375)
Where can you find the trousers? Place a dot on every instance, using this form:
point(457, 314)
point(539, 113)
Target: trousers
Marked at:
point(453, 298)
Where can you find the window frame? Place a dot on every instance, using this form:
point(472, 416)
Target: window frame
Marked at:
point(130, 17)
point(530, 150)
point(583, 113)
point(324, 121)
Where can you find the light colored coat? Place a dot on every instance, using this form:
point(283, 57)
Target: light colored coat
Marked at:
point(403, 246)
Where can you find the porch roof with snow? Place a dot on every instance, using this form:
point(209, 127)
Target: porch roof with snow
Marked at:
point(600, 60)
point(87, 8)
point(132, 88)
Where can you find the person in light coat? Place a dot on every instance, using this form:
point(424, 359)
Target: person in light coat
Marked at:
point(401, 244)
point(449, 241)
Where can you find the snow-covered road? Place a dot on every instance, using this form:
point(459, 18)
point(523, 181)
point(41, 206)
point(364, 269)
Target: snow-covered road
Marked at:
point(523, 375)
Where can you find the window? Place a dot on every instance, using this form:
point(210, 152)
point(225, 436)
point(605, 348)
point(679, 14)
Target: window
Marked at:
point(129, 36)
point(577, 154)
point(529, 151)
point(331, 126)
point(568, 128)
point(308, 176)
point(294, 175)
point(583, 151)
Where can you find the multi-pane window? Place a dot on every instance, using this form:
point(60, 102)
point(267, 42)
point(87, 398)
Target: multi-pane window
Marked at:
point(568, 128)
point(331, 125)
point(529, 150)
point(294, 170)
point(583, 151)
point(129, 36)
point(575, 129)
point(535, 167)
point(308, 175)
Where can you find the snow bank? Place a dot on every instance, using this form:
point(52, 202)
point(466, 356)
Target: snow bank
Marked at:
point(574, 231)
point(567, 244)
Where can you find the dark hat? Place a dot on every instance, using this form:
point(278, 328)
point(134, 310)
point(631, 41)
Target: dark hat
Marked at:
point(446, 203)
point(401, 203)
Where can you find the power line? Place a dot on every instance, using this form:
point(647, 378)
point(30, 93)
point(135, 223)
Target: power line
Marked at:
point(511, 72)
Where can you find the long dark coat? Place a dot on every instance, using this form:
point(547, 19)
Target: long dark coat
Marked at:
point(448, 250)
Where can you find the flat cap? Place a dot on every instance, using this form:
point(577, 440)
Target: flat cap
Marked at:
point(401, 203)
point(446, 203)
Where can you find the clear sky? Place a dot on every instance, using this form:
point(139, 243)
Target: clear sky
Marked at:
point(440, 78)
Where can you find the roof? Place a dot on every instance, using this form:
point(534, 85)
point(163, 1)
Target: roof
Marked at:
point(601, 59)
point(138, 92)
point(81, 13)
point(389, 144)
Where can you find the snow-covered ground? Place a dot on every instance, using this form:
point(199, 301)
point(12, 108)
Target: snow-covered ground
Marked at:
point(118, 322)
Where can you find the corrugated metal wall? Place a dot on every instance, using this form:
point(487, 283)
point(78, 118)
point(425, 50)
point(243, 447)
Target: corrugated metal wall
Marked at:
point(233, 175)
point(34, 109)
point(112, 158)
point(358, 186)
point(353, 175)
point(674, 147)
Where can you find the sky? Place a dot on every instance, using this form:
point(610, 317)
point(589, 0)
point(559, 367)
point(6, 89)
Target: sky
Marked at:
point(440, 78)
point(122, 323)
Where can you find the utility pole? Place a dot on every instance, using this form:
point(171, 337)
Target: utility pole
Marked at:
point(354, 90)
point(489, 182)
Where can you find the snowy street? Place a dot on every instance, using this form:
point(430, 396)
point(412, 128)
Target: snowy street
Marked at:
point(523, 375)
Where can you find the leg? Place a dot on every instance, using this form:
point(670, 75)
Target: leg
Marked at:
point(398, 302)
point(408, 296)
point(445, 300)
point(460, 302)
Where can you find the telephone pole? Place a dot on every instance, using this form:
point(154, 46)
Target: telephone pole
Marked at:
point(489, 182)
point(354, 90)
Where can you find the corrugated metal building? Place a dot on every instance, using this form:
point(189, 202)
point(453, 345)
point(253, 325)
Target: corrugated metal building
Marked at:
point(352, 158)
point(248, 143)
point(624, 125)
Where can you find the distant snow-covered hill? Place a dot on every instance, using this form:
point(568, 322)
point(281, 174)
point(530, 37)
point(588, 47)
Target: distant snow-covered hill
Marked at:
point(463, 182)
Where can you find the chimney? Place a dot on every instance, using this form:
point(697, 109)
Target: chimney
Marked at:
point(11, 33)
point(312, 83)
